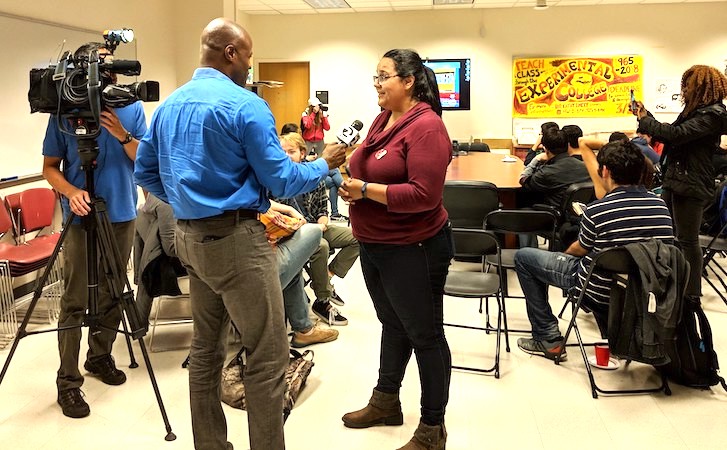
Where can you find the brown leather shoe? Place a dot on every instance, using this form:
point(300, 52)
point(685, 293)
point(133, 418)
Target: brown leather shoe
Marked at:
point(427, 437)
point(383, 409)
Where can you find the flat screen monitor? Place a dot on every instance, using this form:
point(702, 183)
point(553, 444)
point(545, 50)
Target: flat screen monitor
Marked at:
point(453, 79)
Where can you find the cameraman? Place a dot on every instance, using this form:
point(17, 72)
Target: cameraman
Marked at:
point(117, 143)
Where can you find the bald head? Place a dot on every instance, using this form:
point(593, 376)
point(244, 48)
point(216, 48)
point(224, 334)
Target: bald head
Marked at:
point(227, 47)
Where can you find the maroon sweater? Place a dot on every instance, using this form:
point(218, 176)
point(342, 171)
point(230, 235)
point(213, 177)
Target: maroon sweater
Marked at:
point(411, 158)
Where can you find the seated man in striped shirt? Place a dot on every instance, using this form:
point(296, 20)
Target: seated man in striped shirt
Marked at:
point(627, 213)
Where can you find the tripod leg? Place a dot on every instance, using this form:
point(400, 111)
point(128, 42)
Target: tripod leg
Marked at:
point(132, 360)
point(116, 276)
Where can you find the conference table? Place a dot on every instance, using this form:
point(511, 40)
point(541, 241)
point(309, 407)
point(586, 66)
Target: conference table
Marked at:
point(500, 170)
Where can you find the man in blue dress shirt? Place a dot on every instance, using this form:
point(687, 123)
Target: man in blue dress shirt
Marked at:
point(213, 153)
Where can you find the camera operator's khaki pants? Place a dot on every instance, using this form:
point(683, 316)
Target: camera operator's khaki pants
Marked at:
point(233, 274)
point(74, 302)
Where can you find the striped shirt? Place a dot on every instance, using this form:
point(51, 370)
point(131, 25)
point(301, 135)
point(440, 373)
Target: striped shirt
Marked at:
point(625, 215)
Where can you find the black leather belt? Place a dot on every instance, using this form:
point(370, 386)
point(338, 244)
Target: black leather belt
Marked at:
point(240, 214)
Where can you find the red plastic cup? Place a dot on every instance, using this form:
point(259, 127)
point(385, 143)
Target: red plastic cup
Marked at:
point(602, 354)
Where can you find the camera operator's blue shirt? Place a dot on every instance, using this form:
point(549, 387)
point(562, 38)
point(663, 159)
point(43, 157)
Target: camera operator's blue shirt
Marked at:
point(212, 147)
point(113, 177)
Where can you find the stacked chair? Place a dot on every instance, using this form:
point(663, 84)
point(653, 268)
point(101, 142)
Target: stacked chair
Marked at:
point(32, 210)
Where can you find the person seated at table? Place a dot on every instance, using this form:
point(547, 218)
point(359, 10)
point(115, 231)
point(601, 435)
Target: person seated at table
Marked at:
point(628, 213)
point(537, 147)
point(550, 173)
point(312, 206)
point(572, 133)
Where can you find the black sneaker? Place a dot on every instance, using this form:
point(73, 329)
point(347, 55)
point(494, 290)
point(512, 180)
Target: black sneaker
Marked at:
point(328, 313)
point(335, 298)
point(105, 369)
point(73, 404)
point(339, 218)
point(546, 349)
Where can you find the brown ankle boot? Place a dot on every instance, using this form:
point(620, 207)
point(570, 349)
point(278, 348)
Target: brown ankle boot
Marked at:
point(427, 437)
point(383, 409)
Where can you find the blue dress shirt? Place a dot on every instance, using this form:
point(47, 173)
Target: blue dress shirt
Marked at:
point(212, 147)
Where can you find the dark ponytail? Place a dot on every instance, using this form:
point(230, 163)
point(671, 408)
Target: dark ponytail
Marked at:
point(408, 63)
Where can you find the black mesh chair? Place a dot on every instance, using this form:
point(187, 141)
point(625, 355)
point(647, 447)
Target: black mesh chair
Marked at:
point(617, 262)
point(480, 284)
point(502, 222)
point(468, 202)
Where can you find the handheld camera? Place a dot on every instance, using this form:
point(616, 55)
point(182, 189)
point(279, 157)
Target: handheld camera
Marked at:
point(633, 106)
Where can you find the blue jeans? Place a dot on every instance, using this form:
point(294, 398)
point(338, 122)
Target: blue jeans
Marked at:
point(406, 283)
point(334, 180)
point(232, 275)
point(292, 254)
point(537, 269)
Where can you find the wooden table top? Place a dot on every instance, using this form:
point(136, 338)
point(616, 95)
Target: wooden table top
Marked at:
point(483, 166)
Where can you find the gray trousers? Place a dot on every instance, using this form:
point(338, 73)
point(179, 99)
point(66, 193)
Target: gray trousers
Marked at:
point(233, 274)
point(334, 237)
point(74, 303)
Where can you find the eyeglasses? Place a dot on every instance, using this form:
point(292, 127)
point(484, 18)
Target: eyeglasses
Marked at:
point(383, 77)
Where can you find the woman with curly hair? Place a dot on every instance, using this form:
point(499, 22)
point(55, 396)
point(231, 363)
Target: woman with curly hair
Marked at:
point(687, 157)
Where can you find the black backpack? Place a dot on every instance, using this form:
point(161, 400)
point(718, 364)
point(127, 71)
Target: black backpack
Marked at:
point(693, 359)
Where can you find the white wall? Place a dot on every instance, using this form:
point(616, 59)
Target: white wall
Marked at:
point(343, 50)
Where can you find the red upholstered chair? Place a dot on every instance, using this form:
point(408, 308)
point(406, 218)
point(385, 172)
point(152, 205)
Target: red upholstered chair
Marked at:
point(36, 210)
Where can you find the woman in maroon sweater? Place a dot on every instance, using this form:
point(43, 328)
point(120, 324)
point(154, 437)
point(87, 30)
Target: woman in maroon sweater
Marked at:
point(395, 194)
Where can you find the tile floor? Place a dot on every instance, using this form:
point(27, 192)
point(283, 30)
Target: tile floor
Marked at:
point(534, 404)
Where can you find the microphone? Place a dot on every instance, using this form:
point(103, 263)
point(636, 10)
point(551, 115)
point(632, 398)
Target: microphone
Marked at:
point(349, 135)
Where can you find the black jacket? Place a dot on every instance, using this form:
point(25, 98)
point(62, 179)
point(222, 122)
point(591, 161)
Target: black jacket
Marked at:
point(635, 331)
point(553, 178)
point(689, 144)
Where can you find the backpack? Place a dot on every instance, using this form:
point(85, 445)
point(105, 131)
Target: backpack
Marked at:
point(693, 359)
point(233, 386)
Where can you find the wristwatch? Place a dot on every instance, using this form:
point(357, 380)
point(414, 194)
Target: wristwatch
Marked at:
point(363, 189)
point(127, 139)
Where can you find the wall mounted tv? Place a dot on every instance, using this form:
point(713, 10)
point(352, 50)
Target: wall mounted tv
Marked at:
point(453, 78)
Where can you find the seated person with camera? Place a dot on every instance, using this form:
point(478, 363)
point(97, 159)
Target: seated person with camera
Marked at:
point(313, 207)
point(117, 144)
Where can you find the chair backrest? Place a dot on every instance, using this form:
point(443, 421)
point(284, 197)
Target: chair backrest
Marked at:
point(521, 221)
point(479, 147)
point(6, 223)
point(12, 203)
point(36, 209)
point(474, 242)
point(469, 202)
point(577, 192)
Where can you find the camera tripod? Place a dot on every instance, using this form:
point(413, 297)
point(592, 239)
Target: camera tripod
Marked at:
point(101, 248)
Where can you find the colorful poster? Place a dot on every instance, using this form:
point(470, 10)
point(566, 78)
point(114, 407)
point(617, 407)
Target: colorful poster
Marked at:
point(576, 86)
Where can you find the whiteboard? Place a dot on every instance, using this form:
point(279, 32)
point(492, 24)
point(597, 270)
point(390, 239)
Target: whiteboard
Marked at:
point(30, 43)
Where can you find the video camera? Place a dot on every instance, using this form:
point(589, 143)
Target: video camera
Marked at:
point(79, 86)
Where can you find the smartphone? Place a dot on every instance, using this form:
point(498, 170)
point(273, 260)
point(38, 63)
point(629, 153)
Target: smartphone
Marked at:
point(633, 106)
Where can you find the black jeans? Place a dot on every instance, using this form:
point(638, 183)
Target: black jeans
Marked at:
point(406, 283)
point(687, 214)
